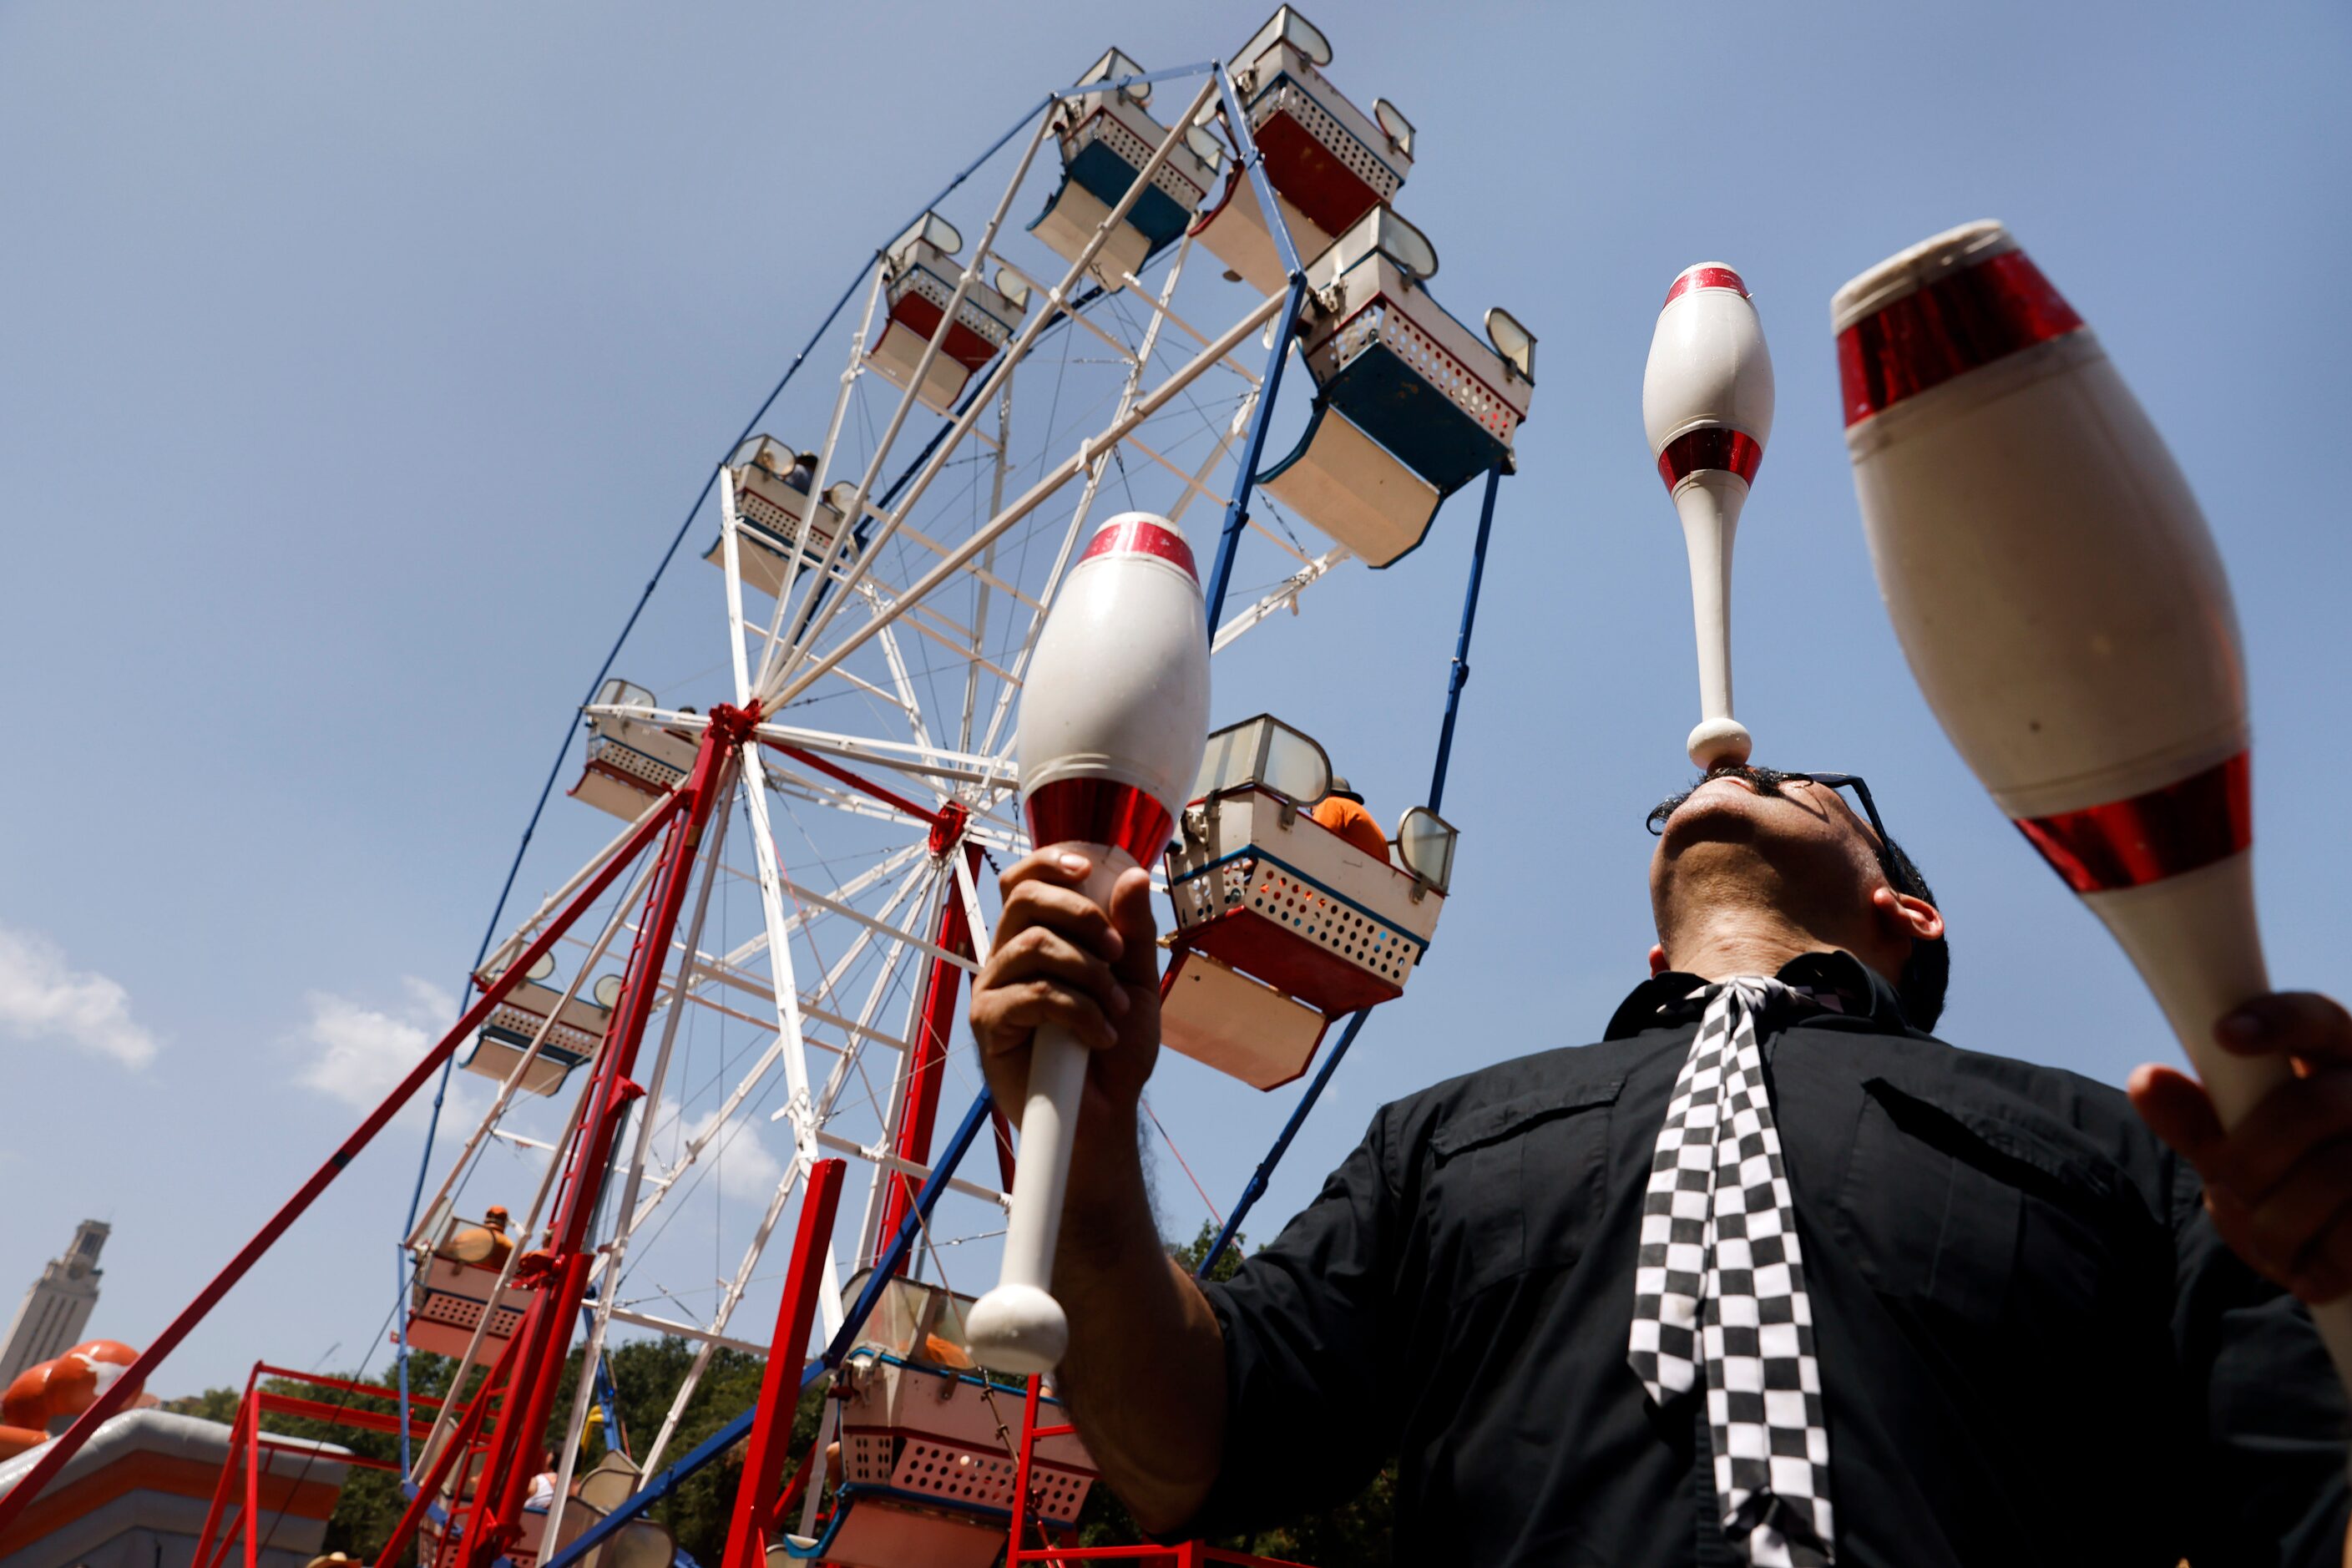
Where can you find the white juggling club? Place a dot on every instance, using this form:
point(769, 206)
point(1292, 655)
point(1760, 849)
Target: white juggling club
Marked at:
point(2052, 580)
point(1114, 718)
point(1707, 403)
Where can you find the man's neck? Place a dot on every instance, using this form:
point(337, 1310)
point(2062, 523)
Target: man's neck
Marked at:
point(1744, 942)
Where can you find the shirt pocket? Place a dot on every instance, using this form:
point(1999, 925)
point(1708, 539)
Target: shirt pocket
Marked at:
point(1985, 1219)
point(1517, 1184)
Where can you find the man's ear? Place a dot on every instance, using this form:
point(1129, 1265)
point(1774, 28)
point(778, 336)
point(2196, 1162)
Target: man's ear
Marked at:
point(1916, 918)
point(1657, 959)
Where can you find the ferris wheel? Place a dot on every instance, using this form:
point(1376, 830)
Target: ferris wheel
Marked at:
point(885, 545)
point(735, 1013)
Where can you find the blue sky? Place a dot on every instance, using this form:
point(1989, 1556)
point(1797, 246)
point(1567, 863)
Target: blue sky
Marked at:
point(357, 363)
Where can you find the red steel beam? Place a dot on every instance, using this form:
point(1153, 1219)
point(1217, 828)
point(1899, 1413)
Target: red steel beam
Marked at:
point(461, 1438)
point(548, 1327)
point(321, 1379)
point(112, 1398)
point(863, 786)
point(339, 1414)
point(779, 1384)
point(934, 1030)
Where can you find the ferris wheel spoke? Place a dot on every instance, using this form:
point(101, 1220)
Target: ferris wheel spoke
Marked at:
point(881, 871)
point(783, 659)
point(783, 685)
point(972, 913)
point(907, 702)
point(790, 683)
point(849, 379)
point(857, 1029)
point(504, 953)
point(1285, 595)
point(725, 1310)
point(896, 934)
point(785, 988)
point(886, 1163)
point(923, 761)
point(637, 1319)
point(797, 787)
point(1192, 486)
point(731, 558)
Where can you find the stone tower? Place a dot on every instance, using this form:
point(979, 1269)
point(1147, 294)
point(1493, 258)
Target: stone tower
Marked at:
point(57, 1308)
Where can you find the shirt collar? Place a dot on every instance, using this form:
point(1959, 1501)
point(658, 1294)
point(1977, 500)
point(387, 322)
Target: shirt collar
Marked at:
point(1666, 1001)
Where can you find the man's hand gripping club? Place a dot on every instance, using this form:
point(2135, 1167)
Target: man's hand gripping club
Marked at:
point(1144, 1374)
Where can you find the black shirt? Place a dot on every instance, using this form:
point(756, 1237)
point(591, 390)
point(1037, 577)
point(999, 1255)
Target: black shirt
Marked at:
point(2035, 1347)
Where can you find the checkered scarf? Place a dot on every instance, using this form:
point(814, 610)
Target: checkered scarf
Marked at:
point(1721, 1283)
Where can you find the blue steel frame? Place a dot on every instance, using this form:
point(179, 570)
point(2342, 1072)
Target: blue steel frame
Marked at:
point(960, 1143)
point(1253, 165)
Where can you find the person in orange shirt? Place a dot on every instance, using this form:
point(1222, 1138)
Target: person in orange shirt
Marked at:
point(1342, 811)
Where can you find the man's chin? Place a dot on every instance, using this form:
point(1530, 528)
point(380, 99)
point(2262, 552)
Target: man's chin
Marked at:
point(1717, 810)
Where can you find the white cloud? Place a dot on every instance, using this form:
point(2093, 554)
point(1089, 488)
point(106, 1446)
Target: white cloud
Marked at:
point(360, 1052)
point(739, 1164)
point(43, 998)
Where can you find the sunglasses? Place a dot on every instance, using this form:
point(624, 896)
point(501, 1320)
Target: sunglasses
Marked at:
point(1896, 877)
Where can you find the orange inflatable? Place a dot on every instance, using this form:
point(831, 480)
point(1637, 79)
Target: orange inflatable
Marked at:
point(65, 1386)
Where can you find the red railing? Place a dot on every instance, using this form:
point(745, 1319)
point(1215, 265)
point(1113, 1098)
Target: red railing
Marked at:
point(1184, 1554)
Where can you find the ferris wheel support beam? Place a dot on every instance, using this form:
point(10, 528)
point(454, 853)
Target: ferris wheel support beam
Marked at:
point(471, 1356)
point(925, 1067)
point(111, 1398)
point(548, 1323)
point(771, 1431)
point(833, 1083)
point(1057, 303)
point(720, 1442)
point(794, 683)
point(614, 1256)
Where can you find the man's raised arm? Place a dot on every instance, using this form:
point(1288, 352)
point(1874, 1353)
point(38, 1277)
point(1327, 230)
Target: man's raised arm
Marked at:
point(1144, 1376)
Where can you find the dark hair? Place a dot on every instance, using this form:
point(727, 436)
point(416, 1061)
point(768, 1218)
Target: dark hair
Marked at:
point(1927, 972)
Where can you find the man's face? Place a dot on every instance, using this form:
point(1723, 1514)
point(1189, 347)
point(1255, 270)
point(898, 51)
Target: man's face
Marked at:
point(1756, 836)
